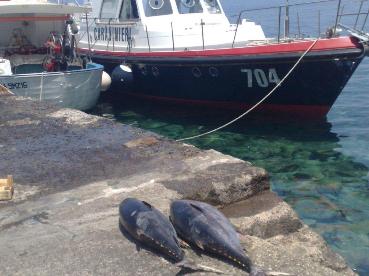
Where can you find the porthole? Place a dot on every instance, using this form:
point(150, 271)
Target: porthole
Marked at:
point(196, 72)
point(144, 70)
point(156, 4)
point(155, 71)
point(213, 72)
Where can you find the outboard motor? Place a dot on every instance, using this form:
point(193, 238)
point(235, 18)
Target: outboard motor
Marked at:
point(122, 77)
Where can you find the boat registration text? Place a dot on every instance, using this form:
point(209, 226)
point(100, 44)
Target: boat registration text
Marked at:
point(260, 77)
point(15, 85)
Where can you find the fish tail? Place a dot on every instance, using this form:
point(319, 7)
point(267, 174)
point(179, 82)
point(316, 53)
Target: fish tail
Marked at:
point(190, 266)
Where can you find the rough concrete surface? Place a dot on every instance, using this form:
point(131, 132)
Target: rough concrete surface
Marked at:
point(71, 171)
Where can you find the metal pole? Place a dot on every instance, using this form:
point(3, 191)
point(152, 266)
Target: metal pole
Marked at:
point(340, 17)
point(235, 33)
point(338, 13)
point(202, 33)
point(319, 27)
point(358, 15)
point(279, 23)
point(113, 41)
point(298, 24)
point(109, 37)
point(287, 21)
point(171, 25)
point(88, 36)
point(147, 36)
point(366, 18)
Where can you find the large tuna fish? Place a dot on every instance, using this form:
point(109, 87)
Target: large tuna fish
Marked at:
point(203, 225)
point(149, 226)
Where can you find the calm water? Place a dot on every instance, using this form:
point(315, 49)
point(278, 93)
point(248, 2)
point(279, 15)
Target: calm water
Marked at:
point(320, 168)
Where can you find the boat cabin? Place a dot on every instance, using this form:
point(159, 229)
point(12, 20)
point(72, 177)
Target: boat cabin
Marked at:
point(161, 25)
point(30, 30)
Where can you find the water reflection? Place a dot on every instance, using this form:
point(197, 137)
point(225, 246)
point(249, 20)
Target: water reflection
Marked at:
point(328, 189)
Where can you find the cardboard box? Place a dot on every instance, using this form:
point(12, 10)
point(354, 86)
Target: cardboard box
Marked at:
point(6, 188)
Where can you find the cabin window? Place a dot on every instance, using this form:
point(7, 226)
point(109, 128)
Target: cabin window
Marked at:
point(128, 11)
point(157, 7)
point(189, 6)
point(212, 6)
point(109, 9)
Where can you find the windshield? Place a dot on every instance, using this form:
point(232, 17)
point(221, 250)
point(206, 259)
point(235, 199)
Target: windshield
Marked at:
point(212, 6)
point(189, 6)
point(157, 7)
point(198, 6)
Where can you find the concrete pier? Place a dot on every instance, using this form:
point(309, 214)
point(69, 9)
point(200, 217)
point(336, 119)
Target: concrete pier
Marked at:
point(71, 170)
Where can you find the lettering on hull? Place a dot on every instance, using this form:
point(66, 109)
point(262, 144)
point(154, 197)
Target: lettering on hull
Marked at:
point(15, 85)
point(109, 33)
point(261, 78)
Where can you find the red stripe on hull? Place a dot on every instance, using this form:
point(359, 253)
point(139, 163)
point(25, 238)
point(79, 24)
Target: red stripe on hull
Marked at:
point(303, 111)
point(340, 43)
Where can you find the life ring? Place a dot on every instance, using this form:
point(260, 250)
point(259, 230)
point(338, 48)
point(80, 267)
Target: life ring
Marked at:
point(188, 3)
point(156, 4)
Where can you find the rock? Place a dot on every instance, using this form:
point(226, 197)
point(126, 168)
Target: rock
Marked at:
point(264, 215)
point(305, 253)
point(222, 183)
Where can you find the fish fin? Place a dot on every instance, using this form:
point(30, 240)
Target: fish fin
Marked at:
point(200, 245)
point(147, 204)
point(183, 244)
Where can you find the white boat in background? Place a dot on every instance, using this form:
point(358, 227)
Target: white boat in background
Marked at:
point(38, 57)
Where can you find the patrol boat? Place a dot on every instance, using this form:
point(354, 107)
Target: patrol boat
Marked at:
point(188, 52)
point(38, 57)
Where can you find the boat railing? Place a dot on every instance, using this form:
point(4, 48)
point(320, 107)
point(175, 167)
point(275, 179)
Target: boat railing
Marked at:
point(354, 13)
point(65, 2)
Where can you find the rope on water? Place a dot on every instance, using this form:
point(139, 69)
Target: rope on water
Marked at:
point(257, 104)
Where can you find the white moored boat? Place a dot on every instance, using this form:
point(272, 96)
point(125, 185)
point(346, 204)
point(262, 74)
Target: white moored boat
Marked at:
point(38, 57)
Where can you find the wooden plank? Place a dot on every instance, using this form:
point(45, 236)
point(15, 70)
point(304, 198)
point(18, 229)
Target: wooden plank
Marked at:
point(6, 188)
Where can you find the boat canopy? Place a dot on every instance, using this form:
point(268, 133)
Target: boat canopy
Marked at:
point(18, 7)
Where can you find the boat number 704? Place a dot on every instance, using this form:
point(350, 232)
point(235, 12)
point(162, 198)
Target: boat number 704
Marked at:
point(260, 77)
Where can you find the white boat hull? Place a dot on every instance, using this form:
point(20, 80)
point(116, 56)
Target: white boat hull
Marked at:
point(78, 89)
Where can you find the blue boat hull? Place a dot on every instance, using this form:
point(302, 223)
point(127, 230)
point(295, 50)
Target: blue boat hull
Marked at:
point(239, 82)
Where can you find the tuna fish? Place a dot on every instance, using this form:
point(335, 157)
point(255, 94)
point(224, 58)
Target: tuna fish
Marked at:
point(203, 225)
point(149, 226)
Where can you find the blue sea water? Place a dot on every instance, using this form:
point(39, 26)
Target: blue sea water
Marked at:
point(321, 168)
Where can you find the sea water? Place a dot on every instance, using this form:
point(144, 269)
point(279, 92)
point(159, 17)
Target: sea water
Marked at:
point(321, 168)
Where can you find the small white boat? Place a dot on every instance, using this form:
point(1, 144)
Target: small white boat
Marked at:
point(38, 57)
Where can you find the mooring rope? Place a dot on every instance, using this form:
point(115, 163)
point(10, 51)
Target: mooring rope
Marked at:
point(5, 91)
point(257, 104)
